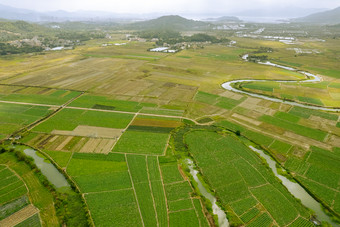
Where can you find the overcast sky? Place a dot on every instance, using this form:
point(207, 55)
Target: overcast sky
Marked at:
point(165, 6)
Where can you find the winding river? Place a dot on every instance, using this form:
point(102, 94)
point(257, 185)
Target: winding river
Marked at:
point(222, 217)
point(311, 78)
point(296, 190)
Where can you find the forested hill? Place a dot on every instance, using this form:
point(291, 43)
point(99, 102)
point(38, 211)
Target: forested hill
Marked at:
point(169, 23)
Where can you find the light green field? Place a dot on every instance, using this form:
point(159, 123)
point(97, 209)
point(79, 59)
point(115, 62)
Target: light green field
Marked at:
point(13, 117)
point(69, 119)
point(142, 142)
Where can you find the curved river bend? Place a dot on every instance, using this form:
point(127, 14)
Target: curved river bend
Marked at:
point(311, 78)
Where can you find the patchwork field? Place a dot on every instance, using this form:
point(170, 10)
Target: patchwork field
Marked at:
point(121, 107)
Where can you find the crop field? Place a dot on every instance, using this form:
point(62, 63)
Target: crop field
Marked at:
point(106, 103)
point(240, 168)
point(23, 199)
point(318, 171)
point(115, 139)
point(142, 142)
point(136, 186)
point(13, 117)
point(38, 95)
point(321, 94)
point(69, 119)
point(11, 187)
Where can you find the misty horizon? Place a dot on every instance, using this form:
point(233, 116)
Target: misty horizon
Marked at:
point(192, 8)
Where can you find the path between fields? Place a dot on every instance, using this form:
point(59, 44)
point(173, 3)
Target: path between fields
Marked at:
point(64, 106)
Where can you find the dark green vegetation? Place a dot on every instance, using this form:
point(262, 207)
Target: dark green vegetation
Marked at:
point(169, 23)
point(6, 48)
point(172, 37)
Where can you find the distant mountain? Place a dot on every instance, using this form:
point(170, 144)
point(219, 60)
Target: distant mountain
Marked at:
point(11, 13)
point(278, 12)
point(326, 17)
point(172, 22)
point(224, 19)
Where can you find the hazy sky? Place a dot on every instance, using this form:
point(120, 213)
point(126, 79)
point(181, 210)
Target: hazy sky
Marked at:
point(165, 6)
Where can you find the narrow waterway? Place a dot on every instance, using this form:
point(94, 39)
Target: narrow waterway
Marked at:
point(311, 78)
point(296, 190)
point(48, 169)
point(222, 217)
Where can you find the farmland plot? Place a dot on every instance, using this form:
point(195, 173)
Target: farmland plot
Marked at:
point(141, 142)
point(241, 174)
point(318, 171)
point(13, 116)
point(69, 119)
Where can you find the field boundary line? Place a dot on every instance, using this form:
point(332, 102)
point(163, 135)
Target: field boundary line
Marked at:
point(193, 205)
point(183, 210)
point(153, 199)
point(114, 190)
point(166, 145)
point(155, 155)
point(289, 141)
point(166, 199)
point(19, 178)
point(176, 182)
point(5, 186)
point(316, 182)
point(28, 103)
point(88, 209)
point(123, 131)
point(294, 220)
point(68, 162)
point(134, 191)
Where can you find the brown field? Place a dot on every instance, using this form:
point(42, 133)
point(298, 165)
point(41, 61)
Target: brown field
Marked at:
point(73, 143)
point(246, 119)
point(19, 216)
point(103, 146)
point(91, 131)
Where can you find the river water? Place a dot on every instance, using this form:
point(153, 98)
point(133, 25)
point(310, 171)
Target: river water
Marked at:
point(48, 169)
point(296, 190)
point(311, 79)
point(222, 218)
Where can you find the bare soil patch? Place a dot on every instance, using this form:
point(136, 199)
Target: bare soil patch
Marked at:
point(91, 131)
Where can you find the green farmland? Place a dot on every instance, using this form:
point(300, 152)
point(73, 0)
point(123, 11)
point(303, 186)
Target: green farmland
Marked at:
point(120, 122)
